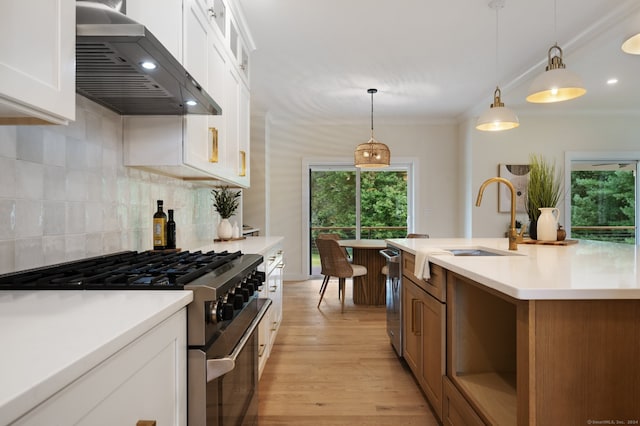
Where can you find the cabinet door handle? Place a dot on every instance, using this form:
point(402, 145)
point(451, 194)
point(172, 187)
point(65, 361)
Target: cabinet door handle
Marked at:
point(213, 153)
point(146, 423)
point(243, 164)
point(273, 288)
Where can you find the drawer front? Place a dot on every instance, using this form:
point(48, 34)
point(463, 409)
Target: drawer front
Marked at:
point(456, 411)
point(435, 286)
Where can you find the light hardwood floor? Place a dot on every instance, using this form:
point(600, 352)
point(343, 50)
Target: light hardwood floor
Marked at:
point(328, 368)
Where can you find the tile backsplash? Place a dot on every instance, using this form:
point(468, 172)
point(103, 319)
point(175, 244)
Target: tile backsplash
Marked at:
point(65, 194)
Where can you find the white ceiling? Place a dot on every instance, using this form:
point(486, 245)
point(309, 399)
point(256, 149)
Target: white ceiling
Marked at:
point(433, 61)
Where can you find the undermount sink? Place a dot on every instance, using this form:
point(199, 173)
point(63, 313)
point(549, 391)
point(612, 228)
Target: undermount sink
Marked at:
point(476, 252)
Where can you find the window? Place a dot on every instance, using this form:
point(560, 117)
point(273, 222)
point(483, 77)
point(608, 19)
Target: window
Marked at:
point(602, 197)
point(354, 203)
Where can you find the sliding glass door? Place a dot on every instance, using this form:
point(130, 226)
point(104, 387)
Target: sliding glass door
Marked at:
point(370, 204)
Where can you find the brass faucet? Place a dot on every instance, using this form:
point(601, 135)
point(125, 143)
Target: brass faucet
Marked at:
point(514, 238)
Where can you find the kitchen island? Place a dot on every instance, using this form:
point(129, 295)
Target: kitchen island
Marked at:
point(542, 335)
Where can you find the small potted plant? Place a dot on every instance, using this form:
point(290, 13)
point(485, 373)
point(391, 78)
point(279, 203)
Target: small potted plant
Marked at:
point(226, 202)
point(543, 189)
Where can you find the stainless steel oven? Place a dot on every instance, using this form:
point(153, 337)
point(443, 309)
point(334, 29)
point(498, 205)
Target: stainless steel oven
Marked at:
point(394, 297)
point(223, 377)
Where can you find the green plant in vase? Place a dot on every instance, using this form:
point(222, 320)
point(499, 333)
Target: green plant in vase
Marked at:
point(226, 202)
point(543, 189)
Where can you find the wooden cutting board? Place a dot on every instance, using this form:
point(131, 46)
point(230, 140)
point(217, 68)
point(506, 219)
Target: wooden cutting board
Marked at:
point(551, 243)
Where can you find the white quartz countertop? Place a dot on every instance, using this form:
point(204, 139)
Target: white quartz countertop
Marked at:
point(50, 338)
point(249, 245)
point(587, 270)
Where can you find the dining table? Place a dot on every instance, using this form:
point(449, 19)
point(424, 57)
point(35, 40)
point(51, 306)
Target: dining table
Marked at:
point(366, 252)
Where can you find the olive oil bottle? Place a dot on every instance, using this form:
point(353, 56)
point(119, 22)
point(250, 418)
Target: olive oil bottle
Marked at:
point(159, 228)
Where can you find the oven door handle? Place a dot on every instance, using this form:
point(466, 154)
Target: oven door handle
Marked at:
point(221, 366)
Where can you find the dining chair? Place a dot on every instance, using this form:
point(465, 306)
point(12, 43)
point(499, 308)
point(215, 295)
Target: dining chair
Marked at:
point(334, 263)
point(336, 237)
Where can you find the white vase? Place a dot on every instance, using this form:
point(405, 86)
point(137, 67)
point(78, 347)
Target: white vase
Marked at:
point(548, 224)
point(225, 230)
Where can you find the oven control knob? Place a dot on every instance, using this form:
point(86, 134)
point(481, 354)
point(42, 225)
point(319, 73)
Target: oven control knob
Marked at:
point(256, 283)
point(245, 294)
point(227, 312)
point(211, 312)
point(238, 301)
point(251, 288)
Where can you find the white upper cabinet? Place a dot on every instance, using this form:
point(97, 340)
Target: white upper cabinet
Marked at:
point(37, 61)
point(215, 147)
point(164, 20)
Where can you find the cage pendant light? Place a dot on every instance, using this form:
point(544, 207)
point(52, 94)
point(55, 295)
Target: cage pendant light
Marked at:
point(372, 153)
point(557, 83)
point(497, 117)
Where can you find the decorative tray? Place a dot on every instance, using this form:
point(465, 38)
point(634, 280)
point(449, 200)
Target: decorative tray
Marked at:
point(551, 243)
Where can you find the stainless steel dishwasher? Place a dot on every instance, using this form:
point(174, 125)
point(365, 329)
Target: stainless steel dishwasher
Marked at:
point(394, 297)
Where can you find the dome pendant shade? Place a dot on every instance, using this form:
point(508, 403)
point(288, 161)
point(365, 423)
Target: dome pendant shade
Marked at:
point(632, 45)
point(372, 154)
point(497, 117)
point(557, 83)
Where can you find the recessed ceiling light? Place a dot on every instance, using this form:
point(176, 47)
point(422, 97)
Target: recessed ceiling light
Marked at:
point(148, 65)
point(612, 81)
point(191, 103)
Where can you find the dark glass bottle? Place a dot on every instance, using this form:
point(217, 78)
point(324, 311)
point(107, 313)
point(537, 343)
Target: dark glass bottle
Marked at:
point(159, 228)
point(171, 231)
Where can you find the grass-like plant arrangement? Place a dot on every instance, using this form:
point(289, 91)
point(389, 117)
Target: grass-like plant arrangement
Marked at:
point(544, 186)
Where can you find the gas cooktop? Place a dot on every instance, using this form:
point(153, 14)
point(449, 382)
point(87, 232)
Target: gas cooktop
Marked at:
point(130, 270)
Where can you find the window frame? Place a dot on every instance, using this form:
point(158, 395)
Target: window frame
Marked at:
point(596, 156)
point(322, 164)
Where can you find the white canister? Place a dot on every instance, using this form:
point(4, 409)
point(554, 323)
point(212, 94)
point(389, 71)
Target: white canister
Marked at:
point(548, 224)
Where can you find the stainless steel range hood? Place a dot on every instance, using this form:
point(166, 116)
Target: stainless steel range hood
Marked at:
point(110, 52)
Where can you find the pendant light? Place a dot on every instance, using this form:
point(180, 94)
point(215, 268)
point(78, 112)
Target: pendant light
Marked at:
point(632, 45)
point(372, 153)
point(497, 117)
point(557, 83)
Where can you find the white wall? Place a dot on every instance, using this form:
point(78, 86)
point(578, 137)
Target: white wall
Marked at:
point(434, 147)
point(65, 194)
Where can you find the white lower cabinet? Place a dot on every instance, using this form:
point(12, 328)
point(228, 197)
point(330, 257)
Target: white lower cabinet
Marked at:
point(145, 380)
point(37, 61)
point(273, 289)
